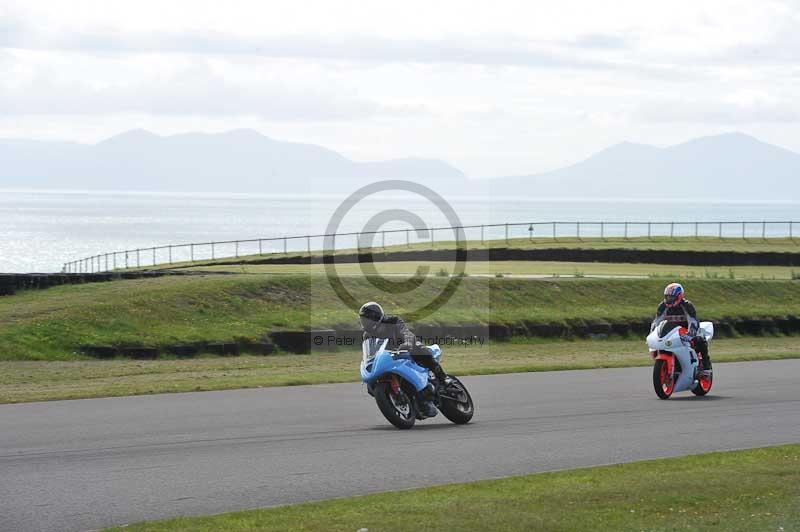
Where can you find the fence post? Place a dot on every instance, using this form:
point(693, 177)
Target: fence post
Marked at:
point(154, 256)
point(138, 260)
point(213, 251)
point(170, 253)
point(648, 230)
point(284, 245)
point(236, 247)
point(408, 241)
point(115, 260)
point(720, 230)
point(433, 239)
point(383, 239)
point(554, 231)
point(260, 247)
point(791, 236)
point(602, 231)
point(106, 261)
point(743, 224)
point(482, 228)
point(578, 230)
point(126, 259)
point(308, 244)
point(506, 233)
point(763, 230)
point(696, 230)
point(191, 252)
point(626, 230)
point(672, 230)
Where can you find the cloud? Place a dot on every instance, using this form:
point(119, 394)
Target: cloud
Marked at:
point(483, 50)
point(194, 90)
point(604, 41)
point(734, 110)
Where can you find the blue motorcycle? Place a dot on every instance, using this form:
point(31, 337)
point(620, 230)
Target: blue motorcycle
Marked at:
point(396, 382)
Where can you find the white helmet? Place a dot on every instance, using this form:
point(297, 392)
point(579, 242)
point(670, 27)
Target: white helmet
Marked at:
point(370, 315)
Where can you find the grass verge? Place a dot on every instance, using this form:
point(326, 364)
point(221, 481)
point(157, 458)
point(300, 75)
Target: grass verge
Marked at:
point(703, 492)
point(22, 381)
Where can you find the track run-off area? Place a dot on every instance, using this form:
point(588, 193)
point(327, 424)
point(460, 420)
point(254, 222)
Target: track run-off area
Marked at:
point(85, 464)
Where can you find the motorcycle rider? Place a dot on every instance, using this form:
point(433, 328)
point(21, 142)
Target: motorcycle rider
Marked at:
point(676, 308)
point(376, 324)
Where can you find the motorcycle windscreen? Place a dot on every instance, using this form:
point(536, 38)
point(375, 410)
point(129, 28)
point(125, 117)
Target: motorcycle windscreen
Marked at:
point(372, 346)
point(664, 327)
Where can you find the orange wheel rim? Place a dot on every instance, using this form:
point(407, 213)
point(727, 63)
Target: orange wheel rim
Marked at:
point(664, 378)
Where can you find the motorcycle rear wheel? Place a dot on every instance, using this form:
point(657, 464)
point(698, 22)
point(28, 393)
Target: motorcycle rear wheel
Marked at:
point(660, 378)
point(703, 385)
point(461, 410)
point(397, 408)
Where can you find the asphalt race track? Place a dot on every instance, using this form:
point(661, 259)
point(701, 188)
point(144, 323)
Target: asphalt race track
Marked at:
point(81, 465)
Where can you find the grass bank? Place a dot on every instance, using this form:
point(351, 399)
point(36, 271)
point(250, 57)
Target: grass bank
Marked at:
point(527, 268)
point(51, 324)
point(22, 381)
point(749, 245)
point(703, 492)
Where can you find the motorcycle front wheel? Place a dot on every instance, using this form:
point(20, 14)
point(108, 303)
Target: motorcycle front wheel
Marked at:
point(662, 380)
point(397, 408)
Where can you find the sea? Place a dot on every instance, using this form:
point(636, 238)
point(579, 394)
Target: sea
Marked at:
point(41, 230)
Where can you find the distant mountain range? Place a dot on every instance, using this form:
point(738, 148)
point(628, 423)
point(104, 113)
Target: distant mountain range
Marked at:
point(234, 161)
point(728, 166)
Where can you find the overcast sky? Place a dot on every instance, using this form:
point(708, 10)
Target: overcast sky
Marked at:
point(495, 88)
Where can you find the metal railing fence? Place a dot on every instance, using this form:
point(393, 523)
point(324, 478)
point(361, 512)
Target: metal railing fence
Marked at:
point(205, 251)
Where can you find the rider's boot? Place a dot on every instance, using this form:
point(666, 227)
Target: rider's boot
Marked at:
point(425, 401)
point(441, 376)
point(701, 345)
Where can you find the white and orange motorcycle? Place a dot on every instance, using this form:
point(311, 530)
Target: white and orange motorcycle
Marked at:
point(678, 367)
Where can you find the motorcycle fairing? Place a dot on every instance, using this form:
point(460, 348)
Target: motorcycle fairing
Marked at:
point(377, 362)
point(671, 343)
